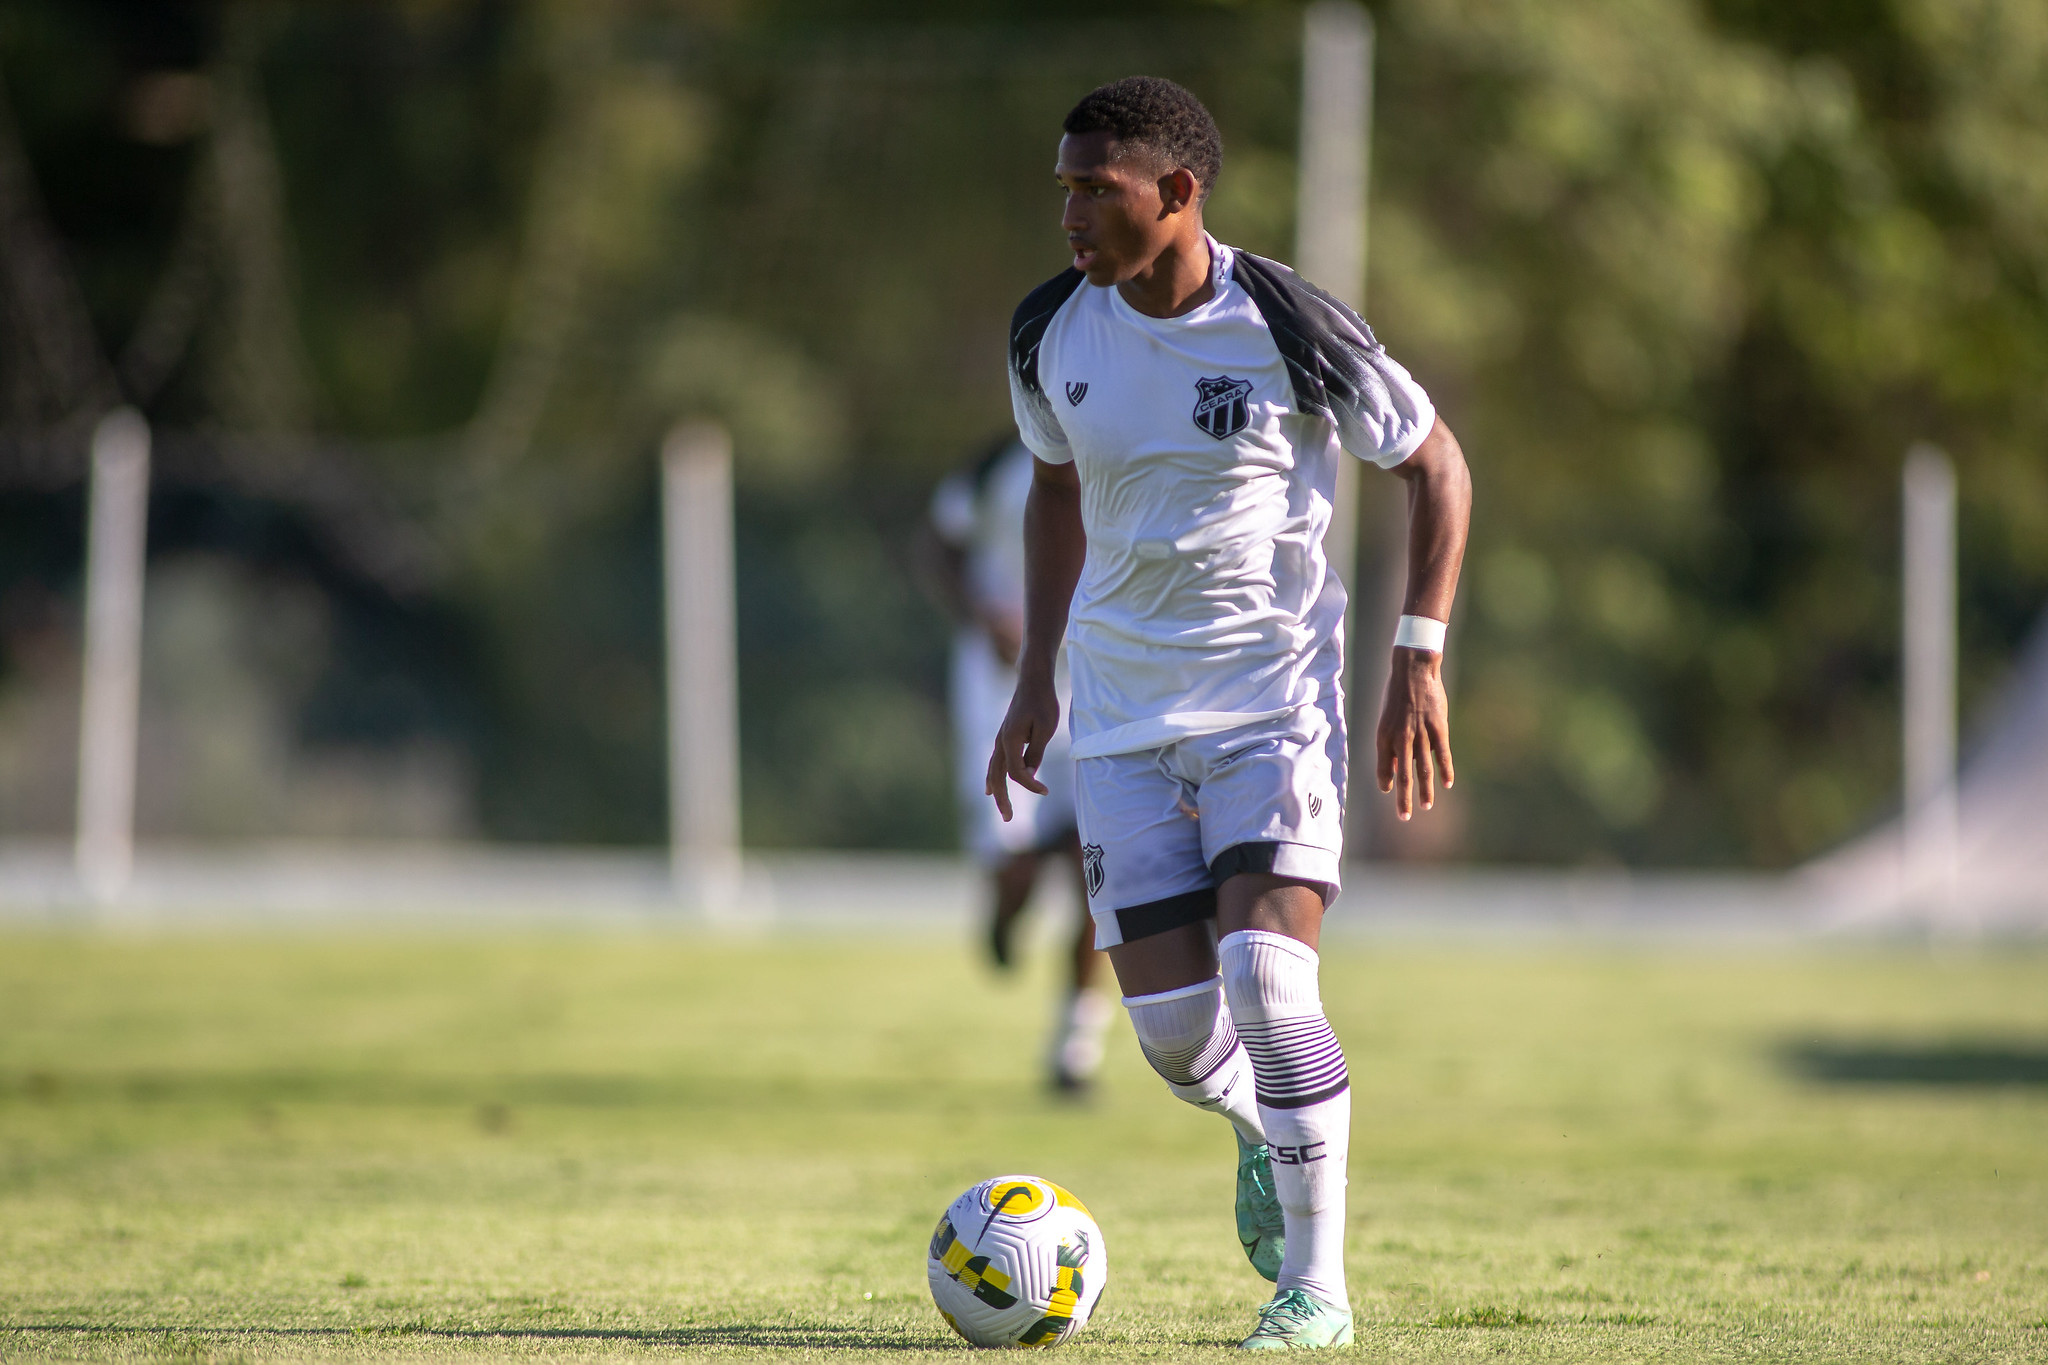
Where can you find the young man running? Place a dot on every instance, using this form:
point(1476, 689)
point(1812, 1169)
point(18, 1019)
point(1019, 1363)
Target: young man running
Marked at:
point(974, 567)
point(1187, 405)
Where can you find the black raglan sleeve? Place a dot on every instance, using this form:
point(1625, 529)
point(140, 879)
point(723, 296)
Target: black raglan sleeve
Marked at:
point(1338, 368)
point(1037, 422)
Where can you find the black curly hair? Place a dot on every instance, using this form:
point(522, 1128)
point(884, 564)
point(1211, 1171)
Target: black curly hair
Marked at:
point(1152, 114)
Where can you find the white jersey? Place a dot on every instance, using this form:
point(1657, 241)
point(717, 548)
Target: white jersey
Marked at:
point(1207, 448)
point(980, 512)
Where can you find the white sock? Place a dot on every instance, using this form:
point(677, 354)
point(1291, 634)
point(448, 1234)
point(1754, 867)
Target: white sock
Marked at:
point(1077, 1037)
point(1304, 1095)
point(1188, 1038)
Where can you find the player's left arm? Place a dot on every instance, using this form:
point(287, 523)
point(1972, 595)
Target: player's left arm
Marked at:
point(1415, 722)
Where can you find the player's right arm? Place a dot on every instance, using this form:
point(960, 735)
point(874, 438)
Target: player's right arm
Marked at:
point(1055, 545)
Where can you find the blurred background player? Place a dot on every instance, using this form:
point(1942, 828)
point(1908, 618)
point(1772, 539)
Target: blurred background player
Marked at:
point(975, 567)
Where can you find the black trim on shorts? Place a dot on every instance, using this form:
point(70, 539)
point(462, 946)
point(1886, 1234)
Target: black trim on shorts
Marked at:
point(1258, 856)
point(1134, 922)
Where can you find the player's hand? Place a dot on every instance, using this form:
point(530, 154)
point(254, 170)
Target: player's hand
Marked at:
point(1415, 731)
point(1033, 720)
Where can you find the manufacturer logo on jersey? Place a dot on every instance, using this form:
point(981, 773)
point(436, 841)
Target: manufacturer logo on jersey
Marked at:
point(1075, 393)
point(1091, 867)
point(1315, 806)
point(1222, 405)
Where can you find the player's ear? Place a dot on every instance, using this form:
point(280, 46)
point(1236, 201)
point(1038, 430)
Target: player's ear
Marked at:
point(1179, 190)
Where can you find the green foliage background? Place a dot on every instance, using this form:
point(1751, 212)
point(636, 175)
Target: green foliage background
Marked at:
point(1686, 278)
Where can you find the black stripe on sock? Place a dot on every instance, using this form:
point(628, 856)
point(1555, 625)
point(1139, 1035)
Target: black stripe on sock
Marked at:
point(1220, 1055)
point(1304, 1101)
point(1296, 1062)
point(1197, 1062)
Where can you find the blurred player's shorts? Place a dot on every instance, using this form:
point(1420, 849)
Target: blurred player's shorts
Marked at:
point(981, 688)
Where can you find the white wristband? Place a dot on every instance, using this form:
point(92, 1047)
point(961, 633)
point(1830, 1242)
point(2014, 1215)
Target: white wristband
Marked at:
point(1420, 632)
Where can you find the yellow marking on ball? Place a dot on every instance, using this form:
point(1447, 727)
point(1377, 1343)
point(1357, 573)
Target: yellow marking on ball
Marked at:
point(1017, 1198)
point(1064, 1295)
point(956, 1257)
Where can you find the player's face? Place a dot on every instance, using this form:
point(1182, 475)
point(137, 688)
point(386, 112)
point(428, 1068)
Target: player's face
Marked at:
point(1120, 214)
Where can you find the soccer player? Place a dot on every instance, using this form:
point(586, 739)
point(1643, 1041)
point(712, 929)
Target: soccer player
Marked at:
point(975, 568)
point(1187, 405)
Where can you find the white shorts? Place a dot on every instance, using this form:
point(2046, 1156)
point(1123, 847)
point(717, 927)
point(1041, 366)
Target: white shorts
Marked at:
point(981, 688)
point(1161, 829)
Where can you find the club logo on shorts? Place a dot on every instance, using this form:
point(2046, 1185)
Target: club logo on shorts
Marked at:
point(1222, 405)
point(1075, 393)
point(1091, 867)
point(1315, 805)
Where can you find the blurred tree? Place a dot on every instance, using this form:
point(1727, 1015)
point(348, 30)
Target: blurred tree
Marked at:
point(1691, 280)
point(1686, 277)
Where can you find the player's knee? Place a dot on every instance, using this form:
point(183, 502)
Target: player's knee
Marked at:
point(1184, 1034)
point(1268, 976)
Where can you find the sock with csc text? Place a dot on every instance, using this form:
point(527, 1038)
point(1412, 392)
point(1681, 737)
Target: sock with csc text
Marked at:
point(1304, 1094)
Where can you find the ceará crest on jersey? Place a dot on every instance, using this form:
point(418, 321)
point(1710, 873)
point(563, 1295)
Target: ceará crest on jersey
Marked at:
point(1222, 405)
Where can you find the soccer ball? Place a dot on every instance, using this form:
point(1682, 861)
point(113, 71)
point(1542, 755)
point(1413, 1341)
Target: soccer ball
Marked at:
point(1017, 1261)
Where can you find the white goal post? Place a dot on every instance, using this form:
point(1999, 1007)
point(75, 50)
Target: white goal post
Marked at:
point(116, 543)
point(703, 686)
point(1333, 186)
point(1929, 854)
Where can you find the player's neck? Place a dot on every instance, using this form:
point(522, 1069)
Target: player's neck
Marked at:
point(1179, 279)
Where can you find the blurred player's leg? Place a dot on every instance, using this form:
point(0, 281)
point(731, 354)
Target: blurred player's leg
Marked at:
point(1012, 880)
point(1010, 851)
point(1084, 1018)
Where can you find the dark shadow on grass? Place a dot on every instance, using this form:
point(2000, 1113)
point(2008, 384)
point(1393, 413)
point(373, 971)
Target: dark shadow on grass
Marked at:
point(570, 1090)
point(816, 1337)
point(1942, 1064)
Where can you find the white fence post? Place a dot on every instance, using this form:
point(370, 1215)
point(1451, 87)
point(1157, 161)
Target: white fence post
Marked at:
point(1929, 848)
point(1332, 189)
point(1336, 147)
point(703, 689)
point(116, 535)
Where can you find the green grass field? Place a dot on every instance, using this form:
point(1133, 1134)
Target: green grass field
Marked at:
point(245, 1147)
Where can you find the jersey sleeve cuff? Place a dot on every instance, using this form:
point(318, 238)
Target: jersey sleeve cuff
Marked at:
point(1411, 440)
point(1051, 454)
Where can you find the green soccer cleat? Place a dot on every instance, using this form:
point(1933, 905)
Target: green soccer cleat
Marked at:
point(1295, 1321)
point(1260, 1228)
